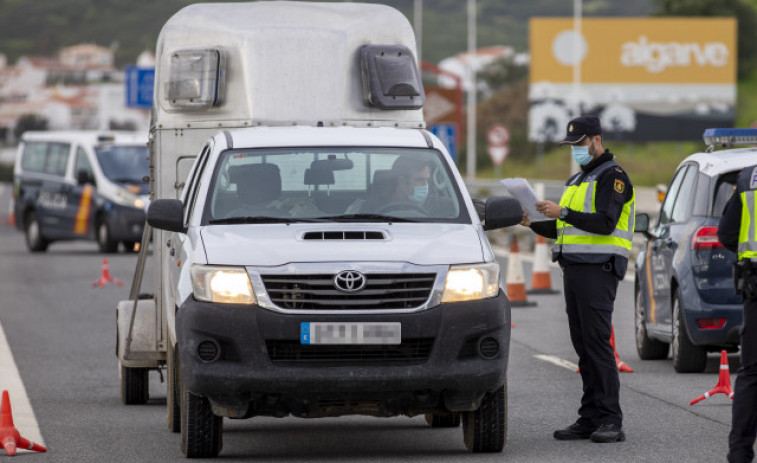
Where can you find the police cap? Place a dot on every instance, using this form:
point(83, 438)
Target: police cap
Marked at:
point(580, 127)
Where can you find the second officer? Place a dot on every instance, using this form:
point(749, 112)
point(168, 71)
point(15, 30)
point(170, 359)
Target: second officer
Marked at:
point(593, 228)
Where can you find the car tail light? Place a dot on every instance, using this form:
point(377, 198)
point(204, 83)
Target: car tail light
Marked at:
point(706, 239)
point(710, 323)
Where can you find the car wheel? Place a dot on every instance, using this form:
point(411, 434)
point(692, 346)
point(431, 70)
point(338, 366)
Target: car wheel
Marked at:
point(135, 385)
point(34, 240)
point(485, 429)
point(648, 349)
point(443, 421)
point(687, 357)
point(173, 404)
point(104, 240)
point(201, 430)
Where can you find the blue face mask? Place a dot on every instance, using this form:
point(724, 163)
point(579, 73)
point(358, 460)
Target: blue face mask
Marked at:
point(580, 154)
point(420, 193)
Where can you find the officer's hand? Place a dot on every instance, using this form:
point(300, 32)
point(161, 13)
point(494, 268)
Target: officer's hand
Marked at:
point(549, 209)
point(525, 222)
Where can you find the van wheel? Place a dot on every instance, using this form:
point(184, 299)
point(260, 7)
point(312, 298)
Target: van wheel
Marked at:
point(33, 232)
point(648, 349)
point(443, 421)
point(687, 357)
point(201, 430)
point(173, 405)
point(135, 385)
point(485, 429)
point(104, 240)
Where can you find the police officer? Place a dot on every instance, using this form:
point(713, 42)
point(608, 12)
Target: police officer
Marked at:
point(593, 229)
point(738, 232)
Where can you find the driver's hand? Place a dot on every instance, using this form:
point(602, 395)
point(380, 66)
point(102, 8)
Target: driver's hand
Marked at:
point(525, 222)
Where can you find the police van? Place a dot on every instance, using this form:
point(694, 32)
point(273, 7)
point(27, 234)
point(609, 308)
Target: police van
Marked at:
point(316, 252)
point(81, 185)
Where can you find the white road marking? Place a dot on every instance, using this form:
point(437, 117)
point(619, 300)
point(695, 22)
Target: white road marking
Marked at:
point(10, 380)
point(558, 361)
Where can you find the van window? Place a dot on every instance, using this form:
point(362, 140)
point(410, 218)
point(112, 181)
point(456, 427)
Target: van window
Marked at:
point(82, 163)
point(333, 184)
point(47, 158)
point(124, 164)
point(667, 205)
point(681, 208)
point(724, 189)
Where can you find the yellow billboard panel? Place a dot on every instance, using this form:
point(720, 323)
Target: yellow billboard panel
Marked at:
point(635, 50)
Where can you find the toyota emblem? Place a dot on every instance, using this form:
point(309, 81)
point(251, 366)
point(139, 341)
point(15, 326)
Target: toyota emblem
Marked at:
point(349, 281)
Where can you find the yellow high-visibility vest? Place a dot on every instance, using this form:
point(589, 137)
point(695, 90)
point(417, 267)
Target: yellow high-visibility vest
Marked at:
point(747, 189)
point(582, 246)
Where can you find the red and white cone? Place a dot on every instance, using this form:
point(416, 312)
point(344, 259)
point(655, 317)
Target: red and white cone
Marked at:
point(514, 283)
point(106, 277)
point(724, 381)
point(541, 279)
point(622, 367)
point(9, 435)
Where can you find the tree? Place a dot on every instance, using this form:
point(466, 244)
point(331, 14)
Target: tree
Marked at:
point(29, 122)
point(746, 18)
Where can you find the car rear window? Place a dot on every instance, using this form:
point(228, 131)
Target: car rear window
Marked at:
point(724, 188)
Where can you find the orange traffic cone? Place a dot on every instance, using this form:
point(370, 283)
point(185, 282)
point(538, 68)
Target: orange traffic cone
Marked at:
point(514, 284)
point(9, 435)
point(724, 381)
point(541, 280)
point(622, 367)
point(106, 277)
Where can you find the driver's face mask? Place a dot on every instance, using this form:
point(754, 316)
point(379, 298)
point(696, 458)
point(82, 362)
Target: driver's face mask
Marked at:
point(420, 193)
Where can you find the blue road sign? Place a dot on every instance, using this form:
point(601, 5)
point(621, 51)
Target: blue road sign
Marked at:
point(139, 86)
point(447, 133)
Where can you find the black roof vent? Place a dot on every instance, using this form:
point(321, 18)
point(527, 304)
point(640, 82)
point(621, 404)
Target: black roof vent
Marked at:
point(344, 235)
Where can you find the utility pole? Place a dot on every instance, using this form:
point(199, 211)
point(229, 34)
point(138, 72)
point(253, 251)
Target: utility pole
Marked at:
point(471, 107)
point(418, 26)
point(577, 58)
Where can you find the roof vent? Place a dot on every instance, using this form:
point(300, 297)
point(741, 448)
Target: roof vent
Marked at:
point(344, 235)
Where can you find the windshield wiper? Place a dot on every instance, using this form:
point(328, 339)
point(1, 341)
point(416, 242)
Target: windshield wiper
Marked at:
point(263, 219)
point(367, 218)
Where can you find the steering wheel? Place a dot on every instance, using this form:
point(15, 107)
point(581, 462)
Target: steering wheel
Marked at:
point(399, 206)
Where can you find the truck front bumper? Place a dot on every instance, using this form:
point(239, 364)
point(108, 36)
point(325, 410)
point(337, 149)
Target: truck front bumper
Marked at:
point(248, 360)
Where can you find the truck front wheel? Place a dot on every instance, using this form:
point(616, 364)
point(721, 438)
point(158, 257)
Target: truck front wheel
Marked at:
point(174, 393)
point(485, 429)
point(201, 430)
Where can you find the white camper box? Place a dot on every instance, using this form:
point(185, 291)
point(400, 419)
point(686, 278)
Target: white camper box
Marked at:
point(294, 74)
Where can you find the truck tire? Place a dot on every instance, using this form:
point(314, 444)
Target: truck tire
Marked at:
point(648, 349)
point(104, 240)
point(201, 430)
point(687, 357)
point(443, 421)
point(135, 385)
point(33, 233)
point(485, 429)
point(173, 404)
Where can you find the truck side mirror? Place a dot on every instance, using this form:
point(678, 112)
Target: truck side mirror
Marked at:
point(83, 177)
point(166, 214)
point(500, 212)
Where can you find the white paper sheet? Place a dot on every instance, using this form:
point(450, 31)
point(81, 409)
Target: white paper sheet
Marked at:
point(522, 191)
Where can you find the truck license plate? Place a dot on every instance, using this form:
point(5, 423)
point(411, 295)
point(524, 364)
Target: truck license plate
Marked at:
point(350, 333)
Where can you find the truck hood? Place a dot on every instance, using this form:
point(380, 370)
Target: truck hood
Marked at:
point(277, 244)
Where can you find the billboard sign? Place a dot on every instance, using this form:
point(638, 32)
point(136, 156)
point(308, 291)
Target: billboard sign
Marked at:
point(646, 78)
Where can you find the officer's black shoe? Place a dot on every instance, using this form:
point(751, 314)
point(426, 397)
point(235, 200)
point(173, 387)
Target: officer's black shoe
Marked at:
point(574, 432)
point(608, 433)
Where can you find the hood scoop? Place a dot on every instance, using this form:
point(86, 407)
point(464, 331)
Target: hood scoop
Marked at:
point(344, 235)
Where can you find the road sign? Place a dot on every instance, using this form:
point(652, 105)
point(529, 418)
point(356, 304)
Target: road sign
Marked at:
point(498, 135)
point(139, 86)
point(447, 133)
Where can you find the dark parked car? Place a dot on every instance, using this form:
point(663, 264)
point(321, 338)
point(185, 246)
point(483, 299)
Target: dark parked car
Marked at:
point(684, 287)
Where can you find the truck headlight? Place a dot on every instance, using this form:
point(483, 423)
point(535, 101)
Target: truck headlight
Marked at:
point(228, 285)
point(471, 282)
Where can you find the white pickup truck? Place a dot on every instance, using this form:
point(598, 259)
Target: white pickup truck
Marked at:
point(315, 250)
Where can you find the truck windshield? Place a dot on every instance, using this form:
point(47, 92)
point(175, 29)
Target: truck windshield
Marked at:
point(124, 164)
point(336, 184)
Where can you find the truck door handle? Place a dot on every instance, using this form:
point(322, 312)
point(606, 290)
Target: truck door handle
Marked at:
point(173, 251)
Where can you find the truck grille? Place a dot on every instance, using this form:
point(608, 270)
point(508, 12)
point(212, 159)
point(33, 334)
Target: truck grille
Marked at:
point(410, 352)
point(381, 291)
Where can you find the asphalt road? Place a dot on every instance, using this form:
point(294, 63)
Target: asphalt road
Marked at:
point(61, 332)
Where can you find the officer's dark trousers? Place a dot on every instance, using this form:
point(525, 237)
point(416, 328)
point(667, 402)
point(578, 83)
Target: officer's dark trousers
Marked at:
point(589, 297)
point(744, 422)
